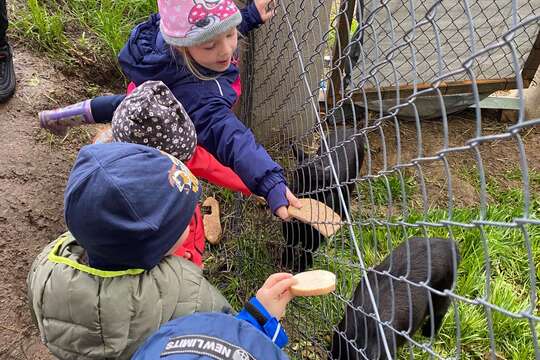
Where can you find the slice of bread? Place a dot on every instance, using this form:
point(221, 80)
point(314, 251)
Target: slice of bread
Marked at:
point(211, 222)
point(313, 283)
point(318, 215)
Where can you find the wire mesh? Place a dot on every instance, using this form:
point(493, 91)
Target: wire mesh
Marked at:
point(439, 242)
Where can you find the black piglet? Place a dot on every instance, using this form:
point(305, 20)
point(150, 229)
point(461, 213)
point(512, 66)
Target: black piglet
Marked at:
point(406, 307)
point(315, 179)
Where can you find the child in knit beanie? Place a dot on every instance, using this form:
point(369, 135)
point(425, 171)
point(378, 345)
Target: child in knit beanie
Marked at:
point(191, 46)
point(150, 115)
point(201, 163)
point(105, 285)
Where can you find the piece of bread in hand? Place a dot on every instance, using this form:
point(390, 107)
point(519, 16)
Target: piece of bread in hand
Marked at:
point(212, 222)
point(313, 283)
point(318, 215)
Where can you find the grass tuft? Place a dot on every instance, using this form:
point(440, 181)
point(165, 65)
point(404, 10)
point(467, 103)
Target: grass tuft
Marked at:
point(81, 32)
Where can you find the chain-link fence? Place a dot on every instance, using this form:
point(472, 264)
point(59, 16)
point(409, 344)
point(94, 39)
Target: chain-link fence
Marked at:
point(440, 239)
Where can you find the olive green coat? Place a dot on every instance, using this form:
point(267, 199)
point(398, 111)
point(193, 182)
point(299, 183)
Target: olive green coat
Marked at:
point(85, 313)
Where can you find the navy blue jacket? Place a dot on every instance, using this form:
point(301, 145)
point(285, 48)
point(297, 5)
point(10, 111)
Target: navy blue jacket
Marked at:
point(208, 336)
point(146, 56)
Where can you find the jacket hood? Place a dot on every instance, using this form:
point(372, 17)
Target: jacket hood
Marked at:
point(146, 55)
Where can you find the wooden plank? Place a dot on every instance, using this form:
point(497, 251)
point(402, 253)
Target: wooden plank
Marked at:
point(346, 13)
point(455, 87)
point(499, 103)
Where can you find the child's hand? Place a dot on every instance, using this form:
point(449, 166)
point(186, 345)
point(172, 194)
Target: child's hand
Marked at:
point(266, 9)
point(293, 201)
point(275, 294)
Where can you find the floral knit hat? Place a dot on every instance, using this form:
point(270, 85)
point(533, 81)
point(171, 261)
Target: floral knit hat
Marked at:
point(193, 22)
point(152, 116)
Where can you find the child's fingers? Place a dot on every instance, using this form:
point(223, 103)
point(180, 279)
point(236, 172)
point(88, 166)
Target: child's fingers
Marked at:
point(283, 301)
point(286, 297)
point(282, 213)
point(281, 304)
point(293, 200)
point(282, 286)
point(275, 4)
point(275, 278)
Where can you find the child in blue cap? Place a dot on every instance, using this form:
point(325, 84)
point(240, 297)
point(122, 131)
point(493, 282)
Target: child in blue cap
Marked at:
point(255, 333)
point(103, 287)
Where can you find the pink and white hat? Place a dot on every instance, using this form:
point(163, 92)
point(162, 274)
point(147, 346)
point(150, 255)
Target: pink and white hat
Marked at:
point(193, 22)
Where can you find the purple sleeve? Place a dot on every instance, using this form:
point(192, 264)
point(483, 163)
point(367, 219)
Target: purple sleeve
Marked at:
point(276, 197)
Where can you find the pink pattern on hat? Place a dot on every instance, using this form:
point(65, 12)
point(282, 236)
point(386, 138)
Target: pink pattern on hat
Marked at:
point(221, 10)
point(184, 19)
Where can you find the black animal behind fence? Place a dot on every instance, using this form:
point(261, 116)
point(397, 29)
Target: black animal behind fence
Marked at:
point(409, 290)
point(314, 177)
point(389, 113)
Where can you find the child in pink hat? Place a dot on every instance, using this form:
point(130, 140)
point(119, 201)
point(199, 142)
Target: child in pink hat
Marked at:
point(191, 46)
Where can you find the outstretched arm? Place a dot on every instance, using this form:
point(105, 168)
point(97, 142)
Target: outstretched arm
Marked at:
point(234, 145)
point(203, 165)
point(224, 136)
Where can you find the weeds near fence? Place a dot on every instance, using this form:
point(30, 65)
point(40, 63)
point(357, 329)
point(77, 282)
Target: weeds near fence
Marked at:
point(83, 32)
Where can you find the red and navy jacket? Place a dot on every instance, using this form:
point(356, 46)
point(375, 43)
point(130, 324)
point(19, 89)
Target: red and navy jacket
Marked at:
point(146, 56)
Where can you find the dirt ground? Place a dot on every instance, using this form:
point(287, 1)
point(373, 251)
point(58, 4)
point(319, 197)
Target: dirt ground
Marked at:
point(498, 157)
point(34, 167)
point(33, 173)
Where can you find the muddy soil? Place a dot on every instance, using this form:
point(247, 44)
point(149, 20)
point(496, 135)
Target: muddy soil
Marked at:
point(498, 157)
point(33, 172)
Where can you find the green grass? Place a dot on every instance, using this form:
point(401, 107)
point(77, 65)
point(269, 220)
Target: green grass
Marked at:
point(83, 32)
point(43, 26)
point(509, 281)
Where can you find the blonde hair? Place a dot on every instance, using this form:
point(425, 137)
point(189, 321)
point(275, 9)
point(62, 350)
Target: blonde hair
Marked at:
point(191, 64)
point(104, 135)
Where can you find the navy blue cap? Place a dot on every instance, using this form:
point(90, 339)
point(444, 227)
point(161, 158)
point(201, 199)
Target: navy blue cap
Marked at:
point(209, 336)
point(128, 204)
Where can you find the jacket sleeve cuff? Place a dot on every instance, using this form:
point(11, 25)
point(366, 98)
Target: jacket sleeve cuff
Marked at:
point(254, 15)
point(276, 197)
point(269, 181)
point(251, 19)
point(266, 323)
